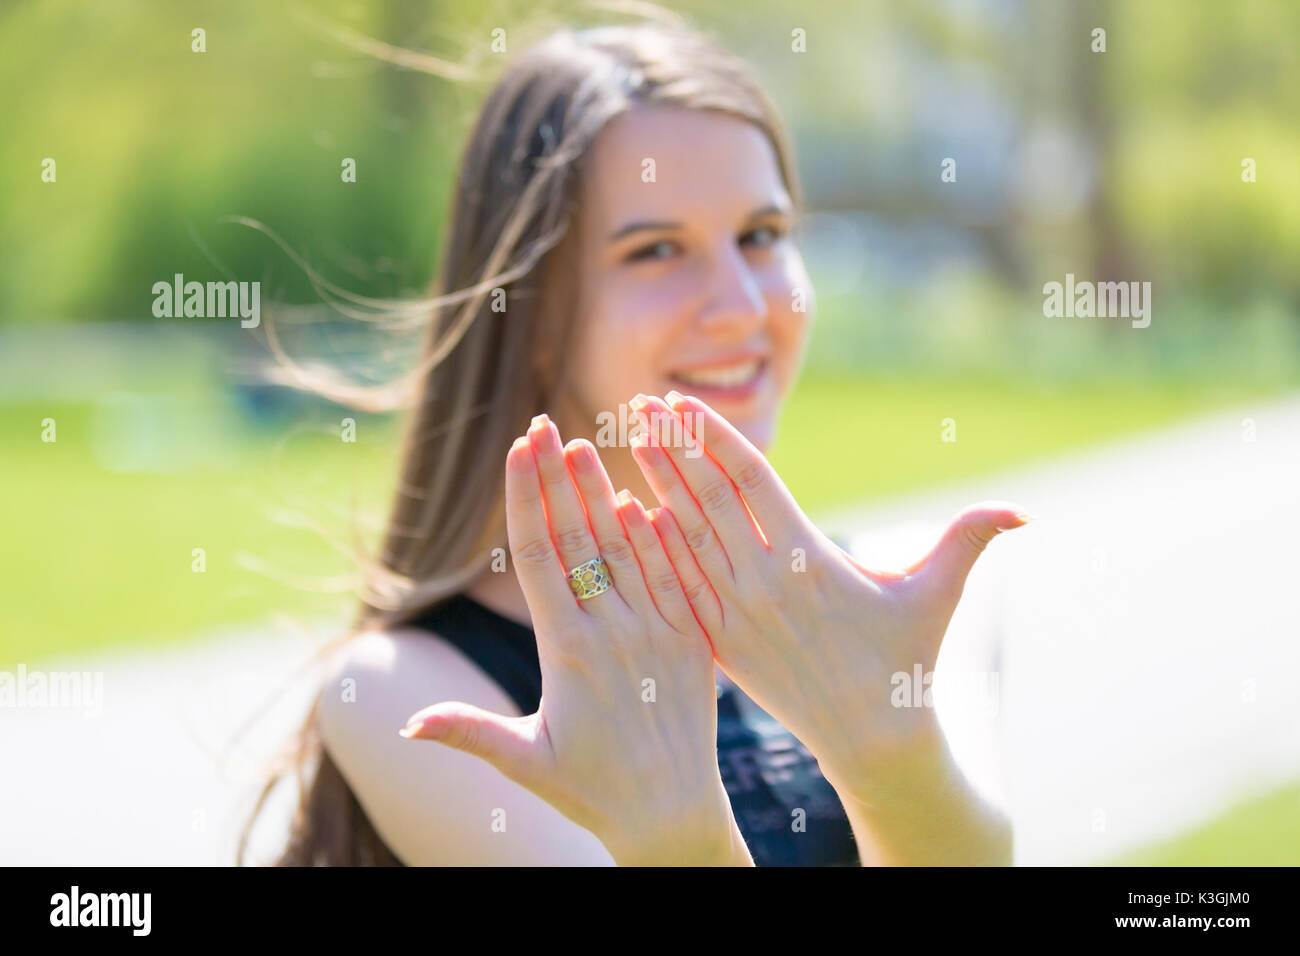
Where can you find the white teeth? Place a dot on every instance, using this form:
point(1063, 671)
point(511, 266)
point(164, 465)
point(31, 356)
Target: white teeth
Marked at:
point(725, 377)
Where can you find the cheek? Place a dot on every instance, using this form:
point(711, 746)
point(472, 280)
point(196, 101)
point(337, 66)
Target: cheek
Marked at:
point(648, 304)
point(644, 314)
point(790, 305)
point(629, 329)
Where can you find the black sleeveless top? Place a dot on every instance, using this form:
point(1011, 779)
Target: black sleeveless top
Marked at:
point(767, 772)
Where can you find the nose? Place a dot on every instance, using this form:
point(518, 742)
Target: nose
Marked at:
point(734, 302)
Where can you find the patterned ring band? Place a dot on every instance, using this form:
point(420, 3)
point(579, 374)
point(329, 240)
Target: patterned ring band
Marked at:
point(590, 578)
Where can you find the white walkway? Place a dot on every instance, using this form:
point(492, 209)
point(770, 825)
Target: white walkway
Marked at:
point(1147, 628)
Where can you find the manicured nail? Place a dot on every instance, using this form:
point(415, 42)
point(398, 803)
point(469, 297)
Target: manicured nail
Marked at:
point(631, 509)
point(581, 453)
point(1022, 519)
point(638, 402)
point(423, 728)
point(546, 438)
point(646, 455)
point(674, 398)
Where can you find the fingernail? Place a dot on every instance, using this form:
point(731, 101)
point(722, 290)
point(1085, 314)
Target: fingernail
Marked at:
point(674, 398)
point(1022, 519)
point(582, 455)
point(646, 455)
point(540, 421)
point(422, 728)
point(631, 508)
point(638, 402)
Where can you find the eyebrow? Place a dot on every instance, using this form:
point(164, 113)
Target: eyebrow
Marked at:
point(652, 226)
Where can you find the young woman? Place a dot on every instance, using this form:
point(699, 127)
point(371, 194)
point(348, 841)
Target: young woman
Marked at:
point(703, 682)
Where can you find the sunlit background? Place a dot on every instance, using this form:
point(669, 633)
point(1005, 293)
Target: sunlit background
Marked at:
point(171, 435)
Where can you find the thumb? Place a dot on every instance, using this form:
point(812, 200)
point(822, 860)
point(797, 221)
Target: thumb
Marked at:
point(505, 742)
point(965, 540)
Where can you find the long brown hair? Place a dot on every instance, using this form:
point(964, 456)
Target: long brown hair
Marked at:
point(486, 371)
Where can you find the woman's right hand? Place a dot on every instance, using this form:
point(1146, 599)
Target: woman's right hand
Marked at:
point(624, 742)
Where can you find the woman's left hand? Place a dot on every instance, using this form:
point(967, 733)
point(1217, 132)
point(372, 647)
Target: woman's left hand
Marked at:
point(812, 636)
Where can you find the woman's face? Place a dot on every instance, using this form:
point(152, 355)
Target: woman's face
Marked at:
point(689, 280)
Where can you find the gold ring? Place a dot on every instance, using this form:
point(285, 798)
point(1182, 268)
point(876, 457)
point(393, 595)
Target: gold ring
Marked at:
point(590, 578)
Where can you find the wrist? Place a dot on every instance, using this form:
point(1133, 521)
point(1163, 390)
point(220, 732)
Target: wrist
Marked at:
point(885, 766)
point(923, 811)
point(694, 839)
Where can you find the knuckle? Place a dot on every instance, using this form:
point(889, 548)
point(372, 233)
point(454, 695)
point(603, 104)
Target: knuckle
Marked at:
point(663, 582)
point(469, 736)
point(573, 538)
point(715, 496)
point(974, 536)
point(698, 538)
point(534, 554)
point(616, 550)
point(464, 734)
point(696, 591)
point(751, 477)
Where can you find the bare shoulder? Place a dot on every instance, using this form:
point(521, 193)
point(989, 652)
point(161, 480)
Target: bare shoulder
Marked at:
point(383, 671)
point(431, 804)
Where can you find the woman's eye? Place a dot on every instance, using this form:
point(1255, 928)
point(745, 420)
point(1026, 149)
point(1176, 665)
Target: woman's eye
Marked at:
point(762, 236)
point(654, 252)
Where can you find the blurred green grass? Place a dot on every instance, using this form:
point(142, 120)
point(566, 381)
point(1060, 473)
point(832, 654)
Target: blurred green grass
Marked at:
point(849, 441)
point(102, 557)
point(1264, 831)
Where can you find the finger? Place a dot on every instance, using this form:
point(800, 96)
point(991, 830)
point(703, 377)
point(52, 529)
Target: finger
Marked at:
point(703, 600)
point(597, 495)
point(766, 495)
point(507, 743)
point(709, 485)
point(660, 577)
point(541, 576)
point(672, 493)
point(564, 513)
point(950, 562)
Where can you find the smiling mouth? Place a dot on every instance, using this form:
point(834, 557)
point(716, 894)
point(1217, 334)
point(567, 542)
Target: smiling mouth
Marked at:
point(730, 376)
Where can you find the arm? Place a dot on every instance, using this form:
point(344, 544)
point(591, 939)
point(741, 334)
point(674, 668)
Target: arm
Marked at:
point(435, 806)
point(920, 810)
